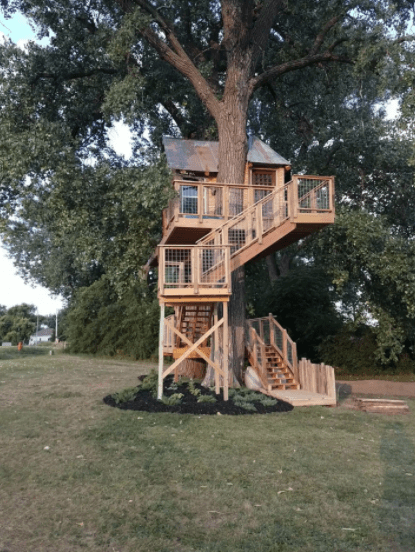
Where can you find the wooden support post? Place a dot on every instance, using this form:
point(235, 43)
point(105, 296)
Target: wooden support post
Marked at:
point(225, 351)
point(216, 348)
point(161, 357)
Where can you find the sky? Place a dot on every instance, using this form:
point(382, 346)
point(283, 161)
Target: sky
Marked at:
point(13, 289)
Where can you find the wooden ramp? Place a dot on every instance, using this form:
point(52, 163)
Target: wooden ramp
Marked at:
point(301, 397)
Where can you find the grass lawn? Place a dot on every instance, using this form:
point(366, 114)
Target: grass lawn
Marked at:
point(316, 479)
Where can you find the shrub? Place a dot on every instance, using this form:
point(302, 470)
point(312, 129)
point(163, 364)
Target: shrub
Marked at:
point(150, 383)
point(206, 399)
point(173, 400)
point(125, 395)
point(193, 390)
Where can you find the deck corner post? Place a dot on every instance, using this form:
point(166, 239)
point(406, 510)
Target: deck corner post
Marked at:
point(161, 357)
point(225, 352)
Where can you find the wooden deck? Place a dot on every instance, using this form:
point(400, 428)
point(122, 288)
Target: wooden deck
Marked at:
point(301, 397)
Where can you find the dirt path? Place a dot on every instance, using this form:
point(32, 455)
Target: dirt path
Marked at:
point(377, 387)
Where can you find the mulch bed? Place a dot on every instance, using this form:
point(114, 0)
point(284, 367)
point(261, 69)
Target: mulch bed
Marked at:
point(144, 401)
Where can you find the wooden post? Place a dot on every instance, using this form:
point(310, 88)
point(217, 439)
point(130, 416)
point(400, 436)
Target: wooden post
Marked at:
point(225, 351)
point(226, 202)
point(271, 330)
point(161, 274)
point(161, 358)
point(200, 202)
point(294, 198)
point(195, 268)
point(259, 223)
point(216, 348)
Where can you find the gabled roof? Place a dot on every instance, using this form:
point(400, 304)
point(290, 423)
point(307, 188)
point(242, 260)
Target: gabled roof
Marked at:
point(203, 156)
point(43, 333)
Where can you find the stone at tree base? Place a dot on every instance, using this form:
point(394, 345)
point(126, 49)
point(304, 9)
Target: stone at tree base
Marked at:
point(252, 380)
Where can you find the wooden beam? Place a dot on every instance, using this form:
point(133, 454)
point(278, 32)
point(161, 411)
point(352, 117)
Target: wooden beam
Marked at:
point(225, 352)
point(194, 347)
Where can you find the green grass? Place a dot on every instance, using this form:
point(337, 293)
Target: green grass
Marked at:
point(312, 480)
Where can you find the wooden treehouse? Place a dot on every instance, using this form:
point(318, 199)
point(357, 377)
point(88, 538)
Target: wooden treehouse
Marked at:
point(211, 229)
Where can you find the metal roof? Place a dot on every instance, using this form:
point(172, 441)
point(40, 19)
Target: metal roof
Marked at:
point(203, 156)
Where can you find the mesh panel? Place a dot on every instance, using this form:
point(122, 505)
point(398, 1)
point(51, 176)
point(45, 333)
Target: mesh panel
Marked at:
point(313, 194)
point(277, 336)
point(213, 268)
point(212, 201)
point(178, 268)
point(289, 352)
point(236, 201)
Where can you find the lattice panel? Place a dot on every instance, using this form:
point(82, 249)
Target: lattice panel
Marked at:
point(213, 201)
point(212, 266)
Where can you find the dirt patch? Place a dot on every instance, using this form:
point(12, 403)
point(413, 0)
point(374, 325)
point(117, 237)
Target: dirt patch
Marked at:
point(189, 404)
point(376, 387)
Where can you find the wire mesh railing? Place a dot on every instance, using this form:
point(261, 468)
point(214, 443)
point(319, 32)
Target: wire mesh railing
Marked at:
point(193, 268)
point(314, 193)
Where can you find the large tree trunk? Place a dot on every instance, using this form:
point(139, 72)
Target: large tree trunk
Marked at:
point(233, 146)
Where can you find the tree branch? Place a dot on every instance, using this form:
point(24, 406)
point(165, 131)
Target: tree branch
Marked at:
point(175, 56)
point(322, 35)
point(74, 75)
point(278, 70)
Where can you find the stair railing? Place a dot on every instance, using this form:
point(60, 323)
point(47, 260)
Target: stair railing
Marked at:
point(256, 351)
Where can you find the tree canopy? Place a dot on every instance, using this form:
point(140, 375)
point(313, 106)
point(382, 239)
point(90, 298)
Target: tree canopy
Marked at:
point(308, 77)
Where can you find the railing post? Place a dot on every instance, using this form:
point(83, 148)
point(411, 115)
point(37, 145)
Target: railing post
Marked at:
point(195, 268)
point(271, 330)
point(293, 198)
point(177, 203)
point(226, 202)
point(200, 202)
point(228, 268)
point(161, 275)
point(331, 193)
point(259, 223)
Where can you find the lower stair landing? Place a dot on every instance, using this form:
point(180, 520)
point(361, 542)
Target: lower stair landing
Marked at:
point(301, 397)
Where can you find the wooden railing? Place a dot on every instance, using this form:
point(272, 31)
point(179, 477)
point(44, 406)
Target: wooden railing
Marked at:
point(204, 201)
point(272, 333)
point(194, 270)
point(169, 337)
point(317, 378)
point(256, 351)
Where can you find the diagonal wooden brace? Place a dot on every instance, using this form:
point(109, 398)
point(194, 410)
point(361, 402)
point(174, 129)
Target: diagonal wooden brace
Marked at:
point(193, 347)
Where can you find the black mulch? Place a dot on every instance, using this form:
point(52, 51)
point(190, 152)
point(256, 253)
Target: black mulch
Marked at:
point(144, 401)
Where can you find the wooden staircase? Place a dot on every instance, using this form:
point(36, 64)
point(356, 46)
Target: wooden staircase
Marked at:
point(279, 375)
point(193, 321)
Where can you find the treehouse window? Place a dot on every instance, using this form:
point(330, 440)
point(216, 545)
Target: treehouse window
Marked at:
point(188, 199)
point(263, 178)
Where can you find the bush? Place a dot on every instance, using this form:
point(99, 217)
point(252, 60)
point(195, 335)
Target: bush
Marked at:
point(353, 352)
point(150, 383)
point(173, 400)
point(206, 399)
point(99, 322)
point(125, 395)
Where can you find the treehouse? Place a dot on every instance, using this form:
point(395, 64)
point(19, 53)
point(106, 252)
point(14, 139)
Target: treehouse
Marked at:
point(212, 228)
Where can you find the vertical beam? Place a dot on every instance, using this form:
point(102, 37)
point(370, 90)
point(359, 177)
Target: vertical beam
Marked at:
point(225, 351)
point(160, 378)
point(216, 348)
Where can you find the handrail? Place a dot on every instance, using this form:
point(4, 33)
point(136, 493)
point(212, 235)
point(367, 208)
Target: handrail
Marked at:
point(286, 347)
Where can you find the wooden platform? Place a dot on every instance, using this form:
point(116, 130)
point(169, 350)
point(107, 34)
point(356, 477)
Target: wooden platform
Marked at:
point(300, 397)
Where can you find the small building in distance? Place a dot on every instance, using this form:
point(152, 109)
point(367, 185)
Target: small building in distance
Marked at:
point(41, 336)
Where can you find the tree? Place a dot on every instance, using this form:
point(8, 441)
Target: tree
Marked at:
point(106, 53)
point(17, 323)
